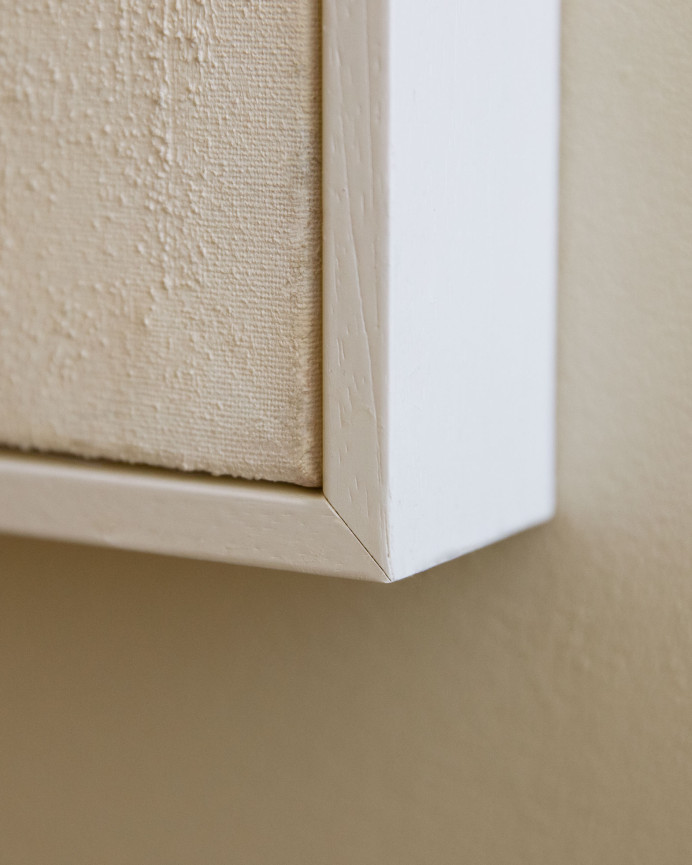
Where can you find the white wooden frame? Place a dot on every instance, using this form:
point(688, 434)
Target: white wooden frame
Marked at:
point(440, 175)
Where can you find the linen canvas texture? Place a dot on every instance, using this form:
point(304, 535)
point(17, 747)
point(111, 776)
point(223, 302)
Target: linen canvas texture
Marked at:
point(160, 233)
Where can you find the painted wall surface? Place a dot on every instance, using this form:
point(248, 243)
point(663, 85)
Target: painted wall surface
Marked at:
point(531, 703)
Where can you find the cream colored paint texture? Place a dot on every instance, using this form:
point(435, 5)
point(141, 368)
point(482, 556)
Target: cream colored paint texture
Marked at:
point(530, 704)
point(160, 233)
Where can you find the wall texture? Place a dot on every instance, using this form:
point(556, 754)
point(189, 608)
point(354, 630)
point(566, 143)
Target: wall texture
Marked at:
point(531, 703)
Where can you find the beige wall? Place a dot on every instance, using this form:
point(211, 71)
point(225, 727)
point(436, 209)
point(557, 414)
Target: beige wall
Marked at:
point(531, 703)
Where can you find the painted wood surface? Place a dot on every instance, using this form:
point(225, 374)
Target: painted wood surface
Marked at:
point(355, 117)
point(441, 124)
point(268, 525)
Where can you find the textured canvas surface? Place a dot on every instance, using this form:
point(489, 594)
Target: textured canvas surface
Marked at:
point(160, 233)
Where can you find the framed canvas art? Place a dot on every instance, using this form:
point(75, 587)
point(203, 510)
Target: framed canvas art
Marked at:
point(278, 280)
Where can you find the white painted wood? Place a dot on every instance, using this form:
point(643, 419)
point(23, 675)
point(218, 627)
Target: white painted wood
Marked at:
point(355, 108)
point(440, 177)
point(441, 124)
point(264, 524)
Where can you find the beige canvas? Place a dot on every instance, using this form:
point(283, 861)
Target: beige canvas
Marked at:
point(160, 233)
